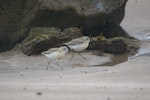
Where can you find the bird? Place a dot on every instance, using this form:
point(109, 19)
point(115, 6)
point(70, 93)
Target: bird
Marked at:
point(55, 54)
point(78, 45)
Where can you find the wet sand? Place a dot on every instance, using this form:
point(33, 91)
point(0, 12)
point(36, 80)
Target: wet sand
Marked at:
point(26, 78)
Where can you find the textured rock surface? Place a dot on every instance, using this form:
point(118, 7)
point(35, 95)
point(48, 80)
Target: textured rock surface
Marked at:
point(42, 38)
point(11, 14)
point(115, 45)
point(94, 16)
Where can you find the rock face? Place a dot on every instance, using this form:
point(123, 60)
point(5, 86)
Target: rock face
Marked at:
point(93, 16)
point(42, 38)
point(117, 45)
point(11, 15)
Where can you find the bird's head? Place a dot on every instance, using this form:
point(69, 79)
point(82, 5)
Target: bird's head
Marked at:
point(64, 48)
point(86, 38)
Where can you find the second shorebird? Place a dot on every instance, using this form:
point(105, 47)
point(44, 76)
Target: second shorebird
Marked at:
point(78, 45)
point(55, 54)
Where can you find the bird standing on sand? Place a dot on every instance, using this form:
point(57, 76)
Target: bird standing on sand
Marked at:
point(78, 45)
point(55, 54)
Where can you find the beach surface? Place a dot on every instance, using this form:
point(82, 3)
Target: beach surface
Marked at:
point(26, 78)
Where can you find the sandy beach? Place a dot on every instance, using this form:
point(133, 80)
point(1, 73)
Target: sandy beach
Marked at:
point(26, 78)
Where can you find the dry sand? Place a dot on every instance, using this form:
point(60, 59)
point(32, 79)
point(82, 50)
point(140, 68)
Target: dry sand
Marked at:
point(25, 78)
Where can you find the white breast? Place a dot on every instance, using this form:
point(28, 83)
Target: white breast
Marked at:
point(52, 55)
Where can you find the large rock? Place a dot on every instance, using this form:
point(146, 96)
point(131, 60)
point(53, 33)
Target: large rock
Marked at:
point(92, 16)
point(11, 15)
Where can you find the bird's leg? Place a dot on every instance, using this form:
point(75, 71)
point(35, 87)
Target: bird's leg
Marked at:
point(58, 64)
point(48, 64)
point(82, 56)
point(71, 55)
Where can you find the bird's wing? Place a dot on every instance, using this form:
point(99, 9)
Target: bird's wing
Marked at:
point(74, 41)
point(50, 50)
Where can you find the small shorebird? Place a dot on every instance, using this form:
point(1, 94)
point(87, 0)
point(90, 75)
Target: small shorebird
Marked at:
point(78, 45)
point(55, 54)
